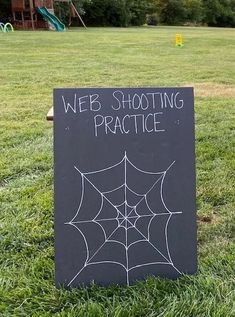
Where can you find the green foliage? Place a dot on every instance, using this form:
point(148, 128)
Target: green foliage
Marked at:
point(106, 13)
point(152, 19)
point(194, 10)
point(172, 12)
point(5, 11)
point(212, 12)
point(63, 9)
point(79, 4)
point(138, 12)
point(219, 12)
point(117, 12)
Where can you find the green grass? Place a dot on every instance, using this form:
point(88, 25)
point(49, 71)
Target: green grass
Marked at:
point(31, 65)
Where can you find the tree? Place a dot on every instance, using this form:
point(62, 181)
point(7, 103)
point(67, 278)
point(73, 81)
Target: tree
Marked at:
point(104, 12)
point(5, 11)
point(219, 12)
point(117, 12)
point(62, 9)
point(171, 11)
point(194, 10)
point(139, 9)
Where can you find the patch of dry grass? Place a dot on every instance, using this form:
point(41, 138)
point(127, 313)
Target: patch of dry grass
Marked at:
point(213, 90)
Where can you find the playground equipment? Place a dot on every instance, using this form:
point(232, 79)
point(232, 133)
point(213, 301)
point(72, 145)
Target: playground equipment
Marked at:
point(51, 18)
point(6, 27)
point(35, 14)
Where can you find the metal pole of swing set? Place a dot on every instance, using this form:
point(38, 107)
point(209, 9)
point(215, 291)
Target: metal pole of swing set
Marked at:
point(76, 11)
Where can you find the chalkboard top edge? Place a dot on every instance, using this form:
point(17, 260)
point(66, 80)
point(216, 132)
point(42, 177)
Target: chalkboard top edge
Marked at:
point(123, 88)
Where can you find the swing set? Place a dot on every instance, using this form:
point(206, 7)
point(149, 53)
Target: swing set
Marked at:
point(36, 14)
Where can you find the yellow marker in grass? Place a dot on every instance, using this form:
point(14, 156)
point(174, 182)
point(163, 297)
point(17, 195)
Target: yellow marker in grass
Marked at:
point(179, 40)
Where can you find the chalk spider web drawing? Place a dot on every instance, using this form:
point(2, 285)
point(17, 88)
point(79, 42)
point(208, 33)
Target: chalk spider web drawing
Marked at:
point(124, 217)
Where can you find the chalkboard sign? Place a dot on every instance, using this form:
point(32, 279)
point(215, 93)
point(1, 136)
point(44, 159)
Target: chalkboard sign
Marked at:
point(124, 184)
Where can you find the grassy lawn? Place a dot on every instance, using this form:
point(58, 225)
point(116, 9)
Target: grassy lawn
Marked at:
point(31, 65)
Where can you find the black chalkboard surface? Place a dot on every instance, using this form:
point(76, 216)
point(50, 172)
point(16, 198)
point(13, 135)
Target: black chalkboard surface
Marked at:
point(124, 184)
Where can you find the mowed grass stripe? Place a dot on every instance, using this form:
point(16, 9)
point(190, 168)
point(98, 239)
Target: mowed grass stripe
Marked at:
point(32, 64)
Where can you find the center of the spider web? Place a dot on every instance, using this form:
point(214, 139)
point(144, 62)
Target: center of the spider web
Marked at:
point(127, 216)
